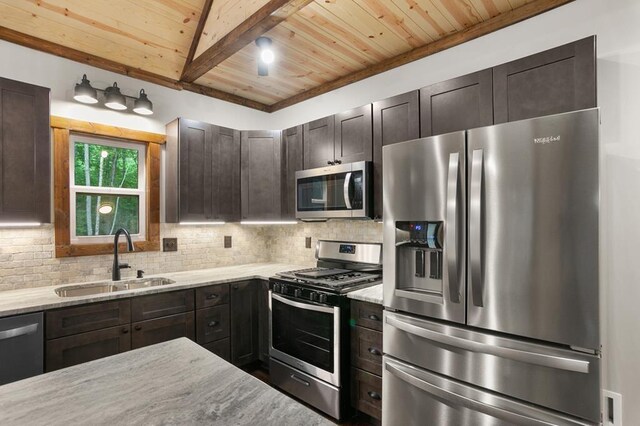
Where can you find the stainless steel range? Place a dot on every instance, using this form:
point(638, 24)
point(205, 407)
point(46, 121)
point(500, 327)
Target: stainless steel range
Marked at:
point(309, 323)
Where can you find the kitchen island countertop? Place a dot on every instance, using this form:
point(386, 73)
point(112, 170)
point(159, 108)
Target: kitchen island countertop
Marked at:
point(171, 383)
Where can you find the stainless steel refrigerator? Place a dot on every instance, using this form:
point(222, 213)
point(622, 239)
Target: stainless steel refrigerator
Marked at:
point(491, 275)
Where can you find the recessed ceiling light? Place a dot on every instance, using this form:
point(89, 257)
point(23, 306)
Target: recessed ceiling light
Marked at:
point(84, 92)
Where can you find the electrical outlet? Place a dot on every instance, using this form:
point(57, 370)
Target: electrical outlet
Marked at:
point(227, 241)
point(169, 244)
point(307, 242)
point(612, 408)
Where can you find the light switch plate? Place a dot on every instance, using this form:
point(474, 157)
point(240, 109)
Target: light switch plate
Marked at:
point(169, 244)
point(227, 241)
point(307, 242)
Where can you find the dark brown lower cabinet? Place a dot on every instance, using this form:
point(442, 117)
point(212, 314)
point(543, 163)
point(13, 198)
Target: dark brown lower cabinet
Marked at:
point(366, 393)
point(263, 326)
point(245, 345)
point(212, 324)
point(222, 348)
point(71, 350)
point(158, 330)
point(366, 350)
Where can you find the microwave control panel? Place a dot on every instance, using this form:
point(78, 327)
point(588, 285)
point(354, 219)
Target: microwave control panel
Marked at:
point(424, 233)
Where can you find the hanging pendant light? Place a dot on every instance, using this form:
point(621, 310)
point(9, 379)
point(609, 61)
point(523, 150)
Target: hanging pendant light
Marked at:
point(143, 105)
point(84, 92)
point(115, 99)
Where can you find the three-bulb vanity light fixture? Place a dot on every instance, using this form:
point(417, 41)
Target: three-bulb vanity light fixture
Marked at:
point(87, 94)
point(266, 55)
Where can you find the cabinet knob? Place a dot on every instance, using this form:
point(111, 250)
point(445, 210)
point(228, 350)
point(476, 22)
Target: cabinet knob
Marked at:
point(374, 351)
point(211, 296)
point(137, 327)
point(213, 323)
point(374, 317)
point(125, 330)
point(338, 162)
point(331, 163)
point(374, 395)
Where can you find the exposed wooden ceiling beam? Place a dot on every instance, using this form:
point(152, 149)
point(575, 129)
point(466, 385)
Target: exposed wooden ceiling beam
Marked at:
point(500, 21)
point(109, 65)
point(267, 17)
point(206, 9)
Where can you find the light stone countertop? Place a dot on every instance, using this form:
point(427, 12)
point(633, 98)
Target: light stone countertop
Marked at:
point(172, 383)
point(371, 294)
point(22, 301)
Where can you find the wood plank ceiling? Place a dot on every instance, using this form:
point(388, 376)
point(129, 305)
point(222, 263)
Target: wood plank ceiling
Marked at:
point(207, 46)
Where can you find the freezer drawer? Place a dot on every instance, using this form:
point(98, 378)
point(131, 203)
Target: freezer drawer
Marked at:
point(413, 396)
point(21, 347)
point(560, 379)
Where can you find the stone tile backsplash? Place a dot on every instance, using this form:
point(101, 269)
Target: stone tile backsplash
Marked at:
point(27, 257)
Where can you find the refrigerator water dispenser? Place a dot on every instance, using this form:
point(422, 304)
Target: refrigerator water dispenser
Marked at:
point(419, 256)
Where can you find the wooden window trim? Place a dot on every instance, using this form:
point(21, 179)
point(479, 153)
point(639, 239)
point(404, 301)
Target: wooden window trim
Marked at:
point(62, 128)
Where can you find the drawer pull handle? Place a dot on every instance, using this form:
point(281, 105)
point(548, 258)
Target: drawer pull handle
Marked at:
point(374, 395)
point(374, 351)
point(138, 327)
point(373, 317)
point(125, 330)
point(299, 380)
point(213, 323)
point(211, 296)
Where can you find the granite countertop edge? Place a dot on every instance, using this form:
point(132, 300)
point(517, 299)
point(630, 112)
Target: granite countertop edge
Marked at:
point(23, 301)
point(371, 294)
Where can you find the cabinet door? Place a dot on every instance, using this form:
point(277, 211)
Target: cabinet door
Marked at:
point(263, 326)
point(162, 304)
point(353, 135)
point(84, 347)
point(396, 119)
point(458, 104)
point(292, 162)
point(554, 81)
point(226, 175)
point(24, 153)
point(195, 168)
point(318, 142)
point(212, 324)
point(163, 329)
point(245, 345)
point(261, 175)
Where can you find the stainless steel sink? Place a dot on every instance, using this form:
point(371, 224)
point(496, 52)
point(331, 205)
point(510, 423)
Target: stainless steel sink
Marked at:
point(110, 286)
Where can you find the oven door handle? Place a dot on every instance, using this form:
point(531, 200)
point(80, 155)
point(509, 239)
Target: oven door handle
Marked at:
point(300, 305)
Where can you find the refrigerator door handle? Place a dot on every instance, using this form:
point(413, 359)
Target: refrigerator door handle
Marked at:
point(475, 227)
point(550, 361)
point(453, 181)
point(400, 372)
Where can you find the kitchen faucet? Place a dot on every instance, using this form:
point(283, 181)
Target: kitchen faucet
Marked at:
point(115, 273)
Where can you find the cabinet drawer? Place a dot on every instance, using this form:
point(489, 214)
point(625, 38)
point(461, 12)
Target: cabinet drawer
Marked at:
point(366, 350)
point(366, 393)
point(212, 324)
point(160, 305)
point(84, 347)
point(80, 319)
point(158, 330)
point(222, 348)
point(367, 315)
point(212, 296)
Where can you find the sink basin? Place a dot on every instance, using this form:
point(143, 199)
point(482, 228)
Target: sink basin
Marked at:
point(110, 286)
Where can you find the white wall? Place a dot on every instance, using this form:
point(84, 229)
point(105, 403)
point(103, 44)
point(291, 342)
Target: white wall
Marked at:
point(61, 75)
point(617, 24)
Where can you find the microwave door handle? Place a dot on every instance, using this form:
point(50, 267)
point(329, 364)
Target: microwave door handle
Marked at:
point(347, 185)
point(475, 227)
point(451, 239)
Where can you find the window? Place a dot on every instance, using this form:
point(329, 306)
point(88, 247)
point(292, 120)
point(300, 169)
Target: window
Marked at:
point(105, 178)
point(107, 190)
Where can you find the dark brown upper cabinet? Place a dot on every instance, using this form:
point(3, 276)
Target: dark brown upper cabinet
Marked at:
point(353, 140)
point(551, 82)
point(25, 153)
point(395, 119)
point(202, 172)
point(458, 104)
point(292, 147)
point(318, 143)
point(261, 175)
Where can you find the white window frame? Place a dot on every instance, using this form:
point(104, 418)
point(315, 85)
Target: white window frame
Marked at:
point(74, 189)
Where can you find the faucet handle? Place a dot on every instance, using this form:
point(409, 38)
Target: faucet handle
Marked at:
point(124, 266)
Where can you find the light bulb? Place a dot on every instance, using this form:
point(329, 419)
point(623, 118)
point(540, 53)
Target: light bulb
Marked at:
point(267, 56)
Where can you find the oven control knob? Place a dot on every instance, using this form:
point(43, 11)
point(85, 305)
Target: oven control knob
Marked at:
point(284, 289)
point(313, 296)
point(297, 292)
point(277, 288)
point(322, 298)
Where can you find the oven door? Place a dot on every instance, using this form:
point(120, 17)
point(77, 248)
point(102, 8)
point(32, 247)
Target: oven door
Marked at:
point(333, 192)
point(305, 336)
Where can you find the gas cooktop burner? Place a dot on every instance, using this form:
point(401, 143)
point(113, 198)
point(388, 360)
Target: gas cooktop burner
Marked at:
point(337, 279)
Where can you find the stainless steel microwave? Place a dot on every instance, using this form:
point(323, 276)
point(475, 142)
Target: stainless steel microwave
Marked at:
point(341, 191)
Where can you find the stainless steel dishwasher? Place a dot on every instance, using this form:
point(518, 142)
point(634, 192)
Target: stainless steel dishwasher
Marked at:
point(21, 347)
